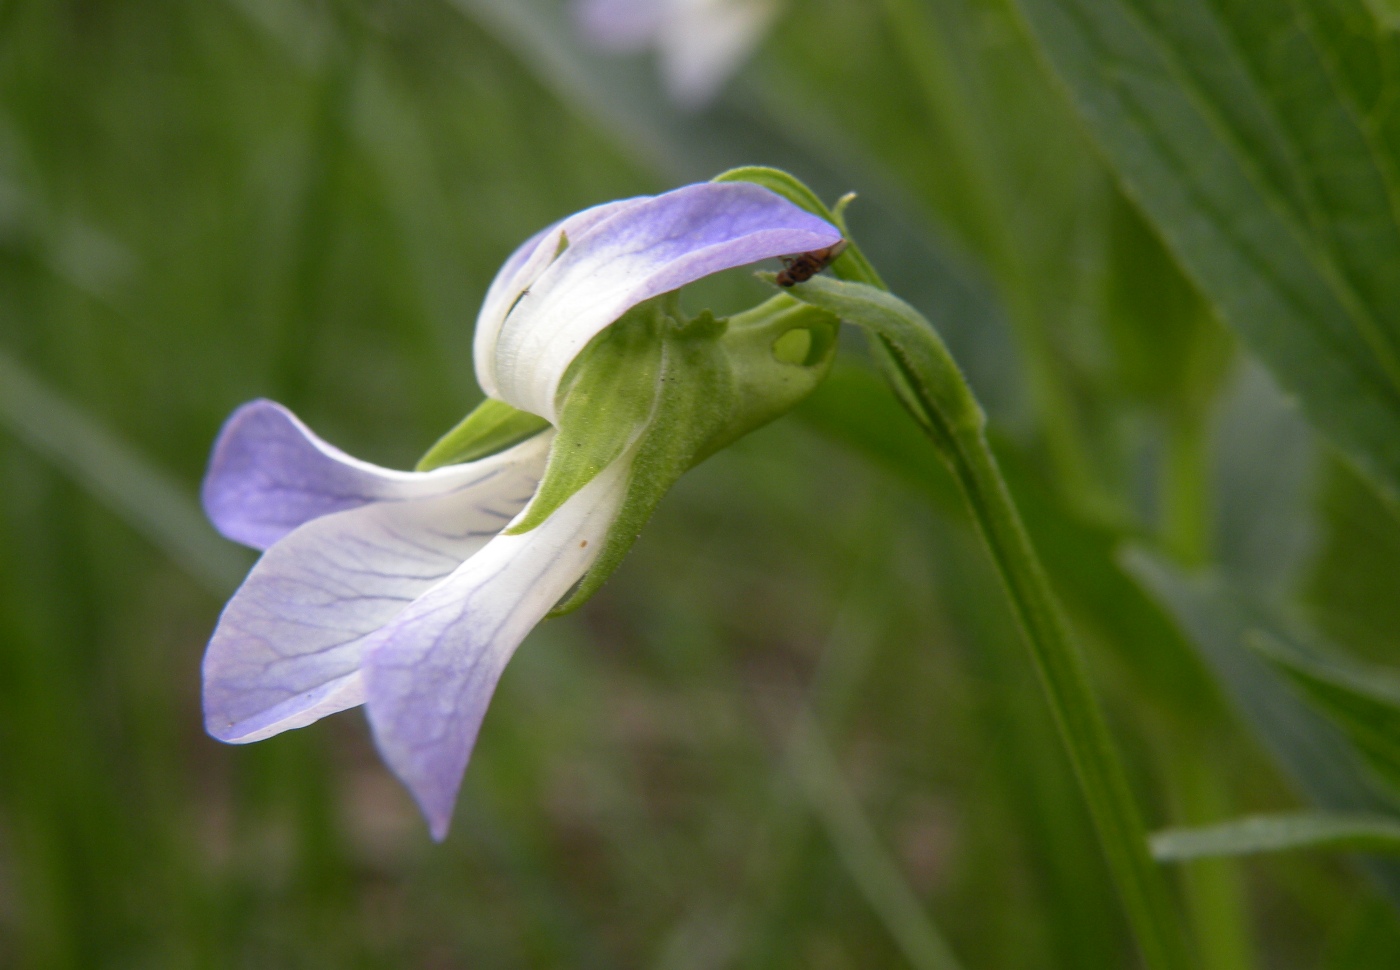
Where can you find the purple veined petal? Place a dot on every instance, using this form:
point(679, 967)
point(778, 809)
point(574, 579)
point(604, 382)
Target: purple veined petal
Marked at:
point(637, 253)
point(620, 26)
point(511, 286)
point(288, 647)
point(705, 42)
point(269, 474)
point(430, 674)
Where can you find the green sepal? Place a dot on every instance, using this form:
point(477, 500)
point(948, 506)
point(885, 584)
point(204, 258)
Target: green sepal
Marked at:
point(715, 382)
point(491, 427)
point(693, 395)
point(779, 352)
point(607, 399)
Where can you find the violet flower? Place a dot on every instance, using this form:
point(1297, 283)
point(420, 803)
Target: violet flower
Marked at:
point(700, 43)
point(409, 591)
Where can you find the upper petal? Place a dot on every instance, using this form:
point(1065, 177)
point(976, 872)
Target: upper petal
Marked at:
point(519, 272)
point(288, 646)
point(429, 675)
point(642, 249)
point(269, 474)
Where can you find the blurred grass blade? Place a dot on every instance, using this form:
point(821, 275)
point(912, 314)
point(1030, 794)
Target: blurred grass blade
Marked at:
point(1265, 459)
point(112, 473)
point(1221, 620)
point(1364, 701)
point(867, 861)
point(1253, 139)
point(1274, 833)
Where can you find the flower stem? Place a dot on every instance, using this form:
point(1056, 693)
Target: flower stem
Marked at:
point(928, 382)
point(1073, 704)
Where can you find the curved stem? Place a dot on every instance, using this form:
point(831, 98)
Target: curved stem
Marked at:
point(1075, 708)
point(928, 382)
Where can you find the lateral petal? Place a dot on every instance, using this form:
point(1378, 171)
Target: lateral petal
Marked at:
point(288, 647)
point(269, 473)
point(429, 675)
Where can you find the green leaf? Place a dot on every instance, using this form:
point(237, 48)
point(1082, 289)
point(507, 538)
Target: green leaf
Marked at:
point(1167, 348)
point(1386, 12)
point(1378, 834)
point(1222, 620)
point(1259, 140)
point(1364, 700)
point(1351, 584)
point(1264, 476)
point(492, 426)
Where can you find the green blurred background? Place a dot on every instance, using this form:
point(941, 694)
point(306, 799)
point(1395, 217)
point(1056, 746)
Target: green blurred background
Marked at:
point(797, 728)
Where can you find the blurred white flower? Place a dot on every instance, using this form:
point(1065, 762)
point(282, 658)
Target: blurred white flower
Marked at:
point(700, 43)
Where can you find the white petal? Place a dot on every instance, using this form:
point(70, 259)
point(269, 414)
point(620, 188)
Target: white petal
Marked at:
point(512, 283)
point(431, 673)
point(287, 649)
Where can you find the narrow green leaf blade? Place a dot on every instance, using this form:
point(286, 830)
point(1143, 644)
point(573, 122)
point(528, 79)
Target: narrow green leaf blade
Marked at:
point(1221, 619)
point(1363, 700)
point(1377, 834)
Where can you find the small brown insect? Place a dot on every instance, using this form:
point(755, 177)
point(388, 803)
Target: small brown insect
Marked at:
point(803, 266)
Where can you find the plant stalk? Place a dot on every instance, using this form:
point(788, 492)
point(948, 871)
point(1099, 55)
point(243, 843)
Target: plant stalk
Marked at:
point(1076, 710)
point(929, 384)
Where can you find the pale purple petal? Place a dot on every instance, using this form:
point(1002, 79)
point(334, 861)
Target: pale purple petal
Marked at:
point(639, 252)
point(269, 474)
point(621, 26)
point(430, 674)
point(705, 42)
point(513, 281)
point(288, 647)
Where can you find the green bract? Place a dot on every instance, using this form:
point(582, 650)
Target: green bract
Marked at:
point(493, 426)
